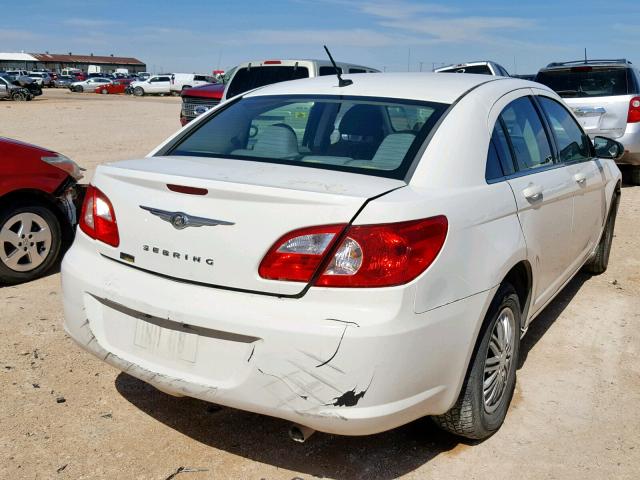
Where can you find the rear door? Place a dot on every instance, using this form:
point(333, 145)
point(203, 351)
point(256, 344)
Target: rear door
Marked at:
point(598, 95)
point(160, 84)
point(574, 151)
point(543, 190)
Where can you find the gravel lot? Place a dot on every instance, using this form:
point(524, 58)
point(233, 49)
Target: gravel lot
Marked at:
point(66, 415)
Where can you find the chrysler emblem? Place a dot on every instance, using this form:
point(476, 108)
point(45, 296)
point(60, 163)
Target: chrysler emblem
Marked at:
point(181, 220)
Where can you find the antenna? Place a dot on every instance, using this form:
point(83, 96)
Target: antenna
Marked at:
point(341, 82)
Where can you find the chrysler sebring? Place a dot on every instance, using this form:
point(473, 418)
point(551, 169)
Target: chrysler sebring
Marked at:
point(346, 256)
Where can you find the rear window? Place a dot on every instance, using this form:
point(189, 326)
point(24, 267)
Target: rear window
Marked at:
point(375, 136)
point(481, 69)
point(586, 81)
point(247, 78)
point(324, 71)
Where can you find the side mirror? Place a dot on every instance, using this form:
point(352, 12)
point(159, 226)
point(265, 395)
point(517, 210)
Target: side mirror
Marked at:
point(608, 148)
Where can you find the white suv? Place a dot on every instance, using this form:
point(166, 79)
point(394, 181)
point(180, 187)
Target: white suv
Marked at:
point(154, 85)
point(605, 96)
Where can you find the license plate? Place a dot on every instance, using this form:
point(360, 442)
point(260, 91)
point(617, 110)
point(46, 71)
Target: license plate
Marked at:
point(166, 342)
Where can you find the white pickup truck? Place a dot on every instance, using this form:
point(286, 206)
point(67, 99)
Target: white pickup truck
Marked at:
point(169, 83)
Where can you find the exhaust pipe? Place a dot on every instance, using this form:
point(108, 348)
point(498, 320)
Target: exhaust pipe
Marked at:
point(300, 433)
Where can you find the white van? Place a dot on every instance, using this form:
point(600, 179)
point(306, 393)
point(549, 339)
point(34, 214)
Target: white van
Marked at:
point(180, 81)
point(250, 75)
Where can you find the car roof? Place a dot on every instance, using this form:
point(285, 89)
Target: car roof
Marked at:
point(416, 86)
point(621, 62)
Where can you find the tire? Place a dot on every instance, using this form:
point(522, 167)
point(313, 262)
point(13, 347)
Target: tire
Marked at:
point(19, 97)
point(600, 260)
point(104, 91)
point(79, 89)
point(478, 415)
point(138, 92)
point(20, 223)
point(634, 175)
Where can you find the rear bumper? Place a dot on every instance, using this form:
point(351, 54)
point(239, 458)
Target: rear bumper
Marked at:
point(631, 142)
point(346, 362)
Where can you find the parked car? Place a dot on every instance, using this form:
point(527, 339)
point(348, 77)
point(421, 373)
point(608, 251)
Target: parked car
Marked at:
point(25, 82)
point(338, 258)
point(155, 85)
point(199, 100)
point(180, 81)
point(115, 87)
point(89, 85)
point(605, 95)
point(10, 91)
point(64, 81)
point(250, 75)
point(42, 79)
point(39, 196)
point(196, 101)
point(483, 68)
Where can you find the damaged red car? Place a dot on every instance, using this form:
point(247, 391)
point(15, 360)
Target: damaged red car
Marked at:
point(39, 196)
point(118, 86)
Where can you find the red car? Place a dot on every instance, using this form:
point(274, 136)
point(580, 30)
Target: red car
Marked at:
point(118, 86)
point(39, 199)
point(197, 100)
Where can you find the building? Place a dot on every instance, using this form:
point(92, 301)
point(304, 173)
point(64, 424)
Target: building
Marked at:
point(56, 62)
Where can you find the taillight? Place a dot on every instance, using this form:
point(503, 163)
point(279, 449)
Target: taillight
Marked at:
point(367, 256)
point(297, 255)
point(98, 219)
point(634, 110)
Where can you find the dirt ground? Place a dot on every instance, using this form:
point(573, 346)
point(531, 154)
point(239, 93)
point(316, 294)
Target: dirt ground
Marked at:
point(66, 415)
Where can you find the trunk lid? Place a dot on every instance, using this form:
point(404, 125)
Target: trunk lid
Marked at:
point(255, 203)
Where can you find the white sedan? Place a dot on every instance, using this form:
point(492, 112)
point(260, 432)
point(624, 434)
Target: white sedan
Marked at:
point(89, 85)
point(346, 257)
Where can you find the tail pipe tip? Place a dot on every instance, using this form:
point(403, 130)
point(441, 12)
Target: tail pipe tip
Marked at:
point(300, 433)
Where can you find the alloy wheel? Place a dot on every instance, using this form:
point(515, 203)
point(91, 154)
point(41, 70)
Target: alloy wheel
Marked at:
point(25, 242)
point(498, 362)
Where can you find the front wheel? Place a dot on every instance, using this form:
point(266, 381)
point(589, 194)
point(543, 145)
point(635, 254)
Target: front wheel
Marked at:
point(486, 394)
point(79, 89)
point(20, 97)
point(30, 242)
point(104, 91)
point(138, 91)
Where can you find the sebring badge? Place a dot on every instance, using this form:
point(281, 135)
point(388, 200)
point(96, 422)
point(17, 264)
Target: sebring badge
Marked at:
point(181, 220)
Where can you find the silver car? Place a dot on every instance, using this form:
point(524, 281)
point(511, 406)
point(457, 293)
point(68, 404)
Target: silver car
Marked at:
point(89, 85)
point(605, 96)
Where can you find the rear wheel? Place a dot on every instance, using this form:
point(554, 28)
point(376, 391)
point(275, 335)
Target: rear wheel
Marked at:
point(30, 241)
point(486, 394)
point(600, 260)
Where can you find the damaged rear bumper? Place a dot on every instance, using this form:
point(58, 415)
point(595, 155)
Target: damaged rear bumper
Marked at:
point(343, 361)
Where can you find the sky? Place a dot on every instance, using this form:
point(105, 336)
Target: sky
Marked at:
point(392, 35)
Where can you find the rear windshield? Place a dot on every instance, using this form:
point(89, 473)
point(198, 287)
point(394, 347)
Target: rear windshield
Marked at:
point(249, 78)
point(376, 136)
point(481, 69)
point(586, 81)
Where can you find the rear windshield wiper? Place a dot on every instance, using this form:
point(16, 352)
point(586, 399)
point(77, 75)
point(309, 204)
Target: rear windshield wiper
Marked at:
point(572, 93)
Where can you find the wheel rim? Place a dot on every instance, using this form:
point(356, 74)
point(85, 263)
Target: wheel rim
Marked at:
point(25, 242)
point(498, 363)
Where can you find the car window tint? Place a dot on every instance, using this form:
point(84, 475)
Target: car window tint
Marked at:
point(247, 78)
point(499, 139)
point(324, 71)
point(293, 115)
point(573, 143)
point(493, 170)
point(586, 81)
point(479, 69)
point(527, 135)
point(357, 70)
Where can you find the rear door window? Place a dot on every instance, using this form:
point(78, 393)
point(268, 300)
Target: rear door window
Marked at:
point(586, 81)
point(249, 78)
point(573, 143)
point(481, 69)
point(527, 137)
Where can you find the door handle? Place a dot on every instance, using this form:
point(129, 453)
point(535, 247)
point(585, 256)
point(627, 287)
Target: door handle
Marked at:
point(533, 192)
point(581, 178)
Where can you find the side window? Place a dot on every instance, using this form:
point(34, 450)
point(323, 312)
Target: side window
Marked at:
point(357, 70)
point(526, 134)
point(324, 71)
point(573, 143)
point(500, 143)
point(493, 170)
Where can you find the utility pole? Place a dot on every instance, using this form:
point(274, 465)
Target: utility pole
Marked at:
point(384, 69)
point(409, 61)
point(421, 65)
